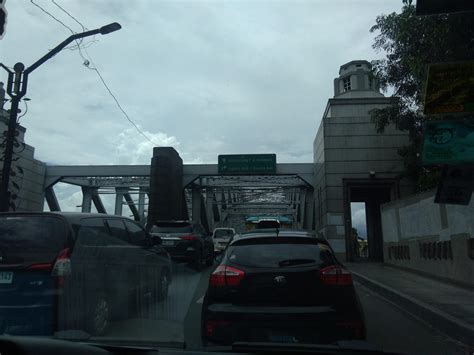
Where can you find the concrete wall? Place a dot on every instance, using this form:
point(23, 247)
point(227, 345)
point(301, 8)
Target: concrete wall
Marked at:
point(347, 146)
point(436, 237)
point(28, 182)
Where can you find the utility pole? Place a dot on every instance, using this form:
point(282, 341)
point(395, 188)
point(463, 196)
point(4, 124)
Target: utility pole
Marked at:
point(16, 89)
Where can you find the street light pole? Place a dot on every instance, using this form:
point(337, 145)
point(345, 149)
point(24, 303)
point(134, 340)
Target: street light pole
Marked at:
point(16, 89)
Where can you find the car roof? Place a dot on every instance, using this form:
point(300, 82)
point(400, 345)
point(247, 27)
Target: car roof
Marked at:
point(263, 233)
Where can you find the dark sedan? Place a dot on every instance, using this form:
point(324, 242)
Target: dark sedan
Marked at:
point(185, 241)
point(280, 288)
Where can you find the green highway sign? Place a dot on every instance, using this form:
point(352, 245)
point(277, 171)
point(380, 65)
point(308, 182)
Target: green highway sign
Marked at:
point(247, 164)
point(448, 142)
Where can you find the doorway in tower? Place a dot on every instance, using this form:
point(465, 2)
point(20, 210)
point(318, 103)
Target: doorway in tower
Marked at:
point(359, 231)
point(363, 221)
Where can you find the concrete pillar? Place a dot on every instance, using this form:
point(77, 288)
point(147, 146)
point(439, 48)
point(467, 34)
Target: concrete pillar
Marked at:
point(86, 199)
point(196, 204)
point(51, 199)
point(166, 179)
point(374, 229)
point(119, 192)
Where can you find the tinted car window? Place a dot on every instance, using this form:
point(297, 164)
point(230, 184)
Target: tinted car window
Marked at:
point(172, 227)
point(266, 252)
point(117, 230)
point(91, 232)
point(136, 233)
point(26, 239)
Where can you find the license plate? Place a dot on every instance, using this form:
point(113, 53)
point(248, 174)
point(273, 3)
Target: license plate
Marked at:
point(168, 242)
point(6, 277)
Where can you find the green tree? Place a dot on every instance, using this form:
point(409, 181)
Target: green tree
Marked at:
point(410, 43)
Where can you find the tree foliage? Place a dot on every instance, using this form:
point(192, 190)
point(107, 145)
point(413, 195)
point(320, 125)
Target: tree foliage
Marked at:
point(410, 43)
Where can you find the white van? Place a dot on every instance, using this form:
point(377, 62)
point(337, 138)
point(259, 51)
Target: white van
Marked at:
point(222, 236)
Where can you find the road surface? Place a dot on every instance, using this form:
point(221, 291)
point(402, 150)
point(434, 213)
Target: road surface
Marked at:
point(177, 320)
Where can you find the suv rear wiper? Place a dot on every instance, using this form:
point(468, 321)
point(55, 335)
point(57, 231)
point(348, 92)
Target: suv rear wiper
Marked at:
point(342, 347)
point(289, 262)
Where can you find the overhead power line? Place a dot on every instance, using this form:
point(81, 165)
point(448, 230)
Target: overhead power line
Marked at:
point(52, 16)
point(88, 60)
point(84, 28)
point(78, 42)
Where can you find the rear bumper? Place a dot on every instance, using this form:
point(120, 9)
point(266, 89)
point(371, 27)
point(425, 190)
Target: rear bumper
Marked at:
point(225, 324)
point(188, 254)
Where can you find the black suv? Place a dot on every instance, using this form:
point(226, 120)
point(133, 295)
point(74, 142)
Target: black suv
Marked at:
point(64, 271)
point(280, 286)
point(185, 241)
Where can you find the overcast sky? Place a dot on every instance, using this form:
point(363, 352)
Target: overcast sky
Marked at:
point(207, 77)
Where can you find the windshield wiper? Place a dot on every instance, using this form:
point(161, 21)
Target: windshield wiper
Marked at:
point(289, 262)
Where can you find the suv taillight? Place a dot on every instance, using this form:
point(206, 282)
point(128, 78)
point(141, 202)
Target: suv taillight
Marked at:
point(335, 275)
point(188, 237)
point(62, 266)
point(225, 275)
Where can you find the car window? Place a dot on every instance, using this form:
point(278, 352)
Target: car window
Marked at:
point(118, 231)
point(270, 252)
point(26, 239)
point(91, 232)
point(223, 233)
point(136, 233)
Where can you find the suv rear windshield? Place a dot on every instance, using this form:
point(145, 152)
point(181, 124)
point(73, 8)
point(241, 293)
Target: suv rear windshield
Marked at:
point(172, 227)
point(31, 239)
point(223, 233)
point(279, 252)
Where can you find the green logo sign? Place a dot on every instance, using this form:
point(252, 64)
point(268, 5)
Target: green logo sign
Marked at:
point(247, 164)
point(448, 142)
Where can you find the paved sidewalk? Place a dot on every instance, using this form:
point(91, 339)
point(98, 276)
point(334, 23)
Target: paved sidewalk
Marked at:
point(446, 307)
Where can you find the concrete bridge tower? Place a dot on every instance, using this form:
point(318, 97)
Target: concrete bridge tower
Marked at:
point(354, 163)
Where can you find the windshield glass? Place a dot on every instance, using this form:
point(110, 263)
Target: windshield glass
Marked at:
point(223, 233)
point(144, 143)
